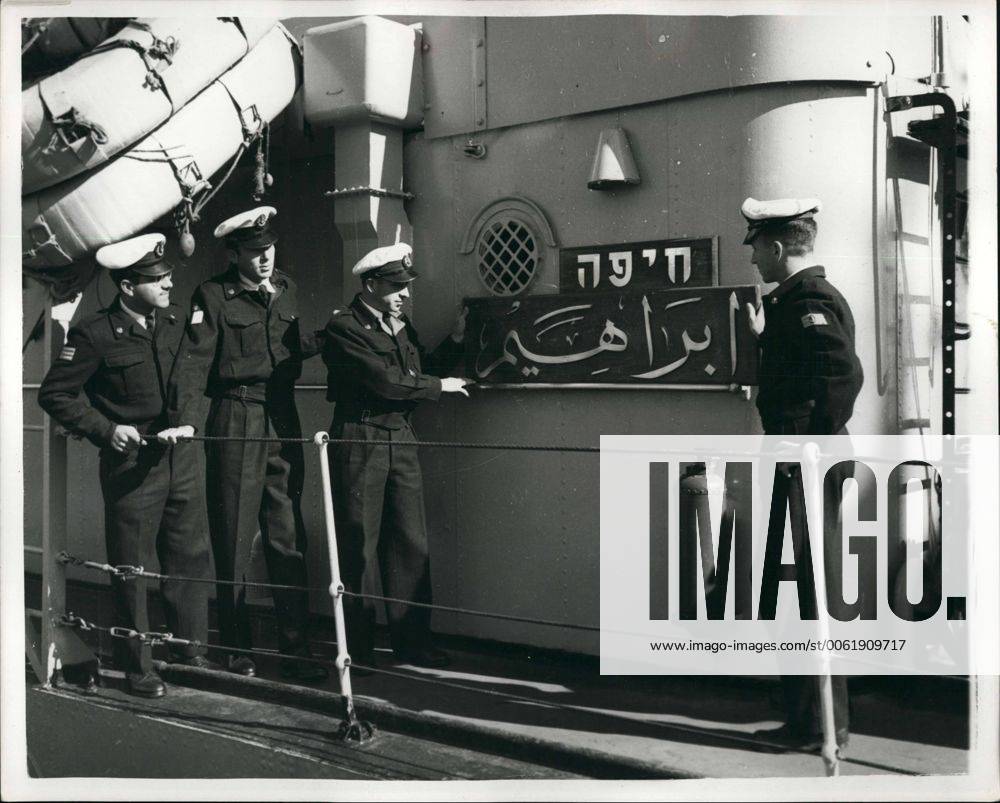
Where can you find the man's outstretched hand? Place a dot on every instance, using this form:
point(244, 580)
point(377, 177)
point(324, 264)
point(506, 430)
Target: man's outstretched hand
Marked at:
point(175, 434)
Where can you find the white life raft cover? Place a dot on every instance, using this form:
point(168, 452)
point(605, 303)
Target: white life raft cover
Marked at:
point(117, 93)
point(65, 223)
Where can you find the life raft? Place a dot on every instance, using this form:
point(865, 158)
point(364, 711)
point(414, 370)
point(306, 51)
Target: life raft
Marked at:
point(121, 90)
point(168, 168)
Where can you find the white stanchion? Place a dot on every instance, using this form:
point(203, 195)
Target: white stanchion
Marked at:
point(814, 483)
point(350, 727)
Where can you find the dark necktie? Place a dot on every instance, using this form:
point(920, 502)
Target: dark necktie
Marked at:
point(265, 297)
point(151, 324)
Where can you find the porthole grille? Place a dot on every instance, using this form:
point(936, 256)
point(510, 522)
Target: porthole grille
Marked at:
point(508, 256)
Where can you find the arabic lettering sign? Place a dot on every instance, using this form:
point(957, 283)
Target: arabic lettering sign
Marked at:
point(692, 336)
point(651, 265)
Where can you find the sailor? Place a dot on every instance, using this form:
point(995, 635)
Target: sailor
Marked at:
point(109, 384)
point(809, 377)
point(377, 374)
point(244, 350)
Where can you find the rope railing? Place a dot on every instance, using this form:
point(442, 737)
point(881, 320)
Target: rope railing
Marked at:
point(351, 727)
point(794, 440)
point(127, 572)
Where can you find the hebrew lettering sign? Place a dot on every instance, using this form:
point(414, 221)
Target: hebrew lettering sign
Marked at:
point(650, 265)
point(693, 336)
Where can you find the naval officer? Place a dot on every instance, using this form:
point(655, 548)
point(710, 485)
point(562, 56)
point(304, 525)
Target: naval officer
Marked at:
point(809, 377)
point(109, 384)
point(378, 373)
point(244, 350)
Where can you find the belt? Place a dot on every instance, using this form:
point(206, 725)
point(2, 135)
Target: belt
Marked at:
point(385, 419)
point(245, 393)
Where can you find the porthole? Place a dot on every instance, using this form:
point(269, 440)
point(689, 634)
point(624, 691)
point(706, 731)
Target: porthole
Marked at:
point(507, 253)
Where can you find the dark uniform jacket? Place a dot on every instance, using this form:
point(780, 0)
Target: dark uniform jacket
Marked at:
point(112, 371)
point(376, 378)
point(809, 372)
point(238, 347)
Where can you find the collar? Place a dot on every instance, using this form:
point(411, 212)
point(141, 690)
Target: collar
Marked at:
point(394, 322)
point(234, 285)
point(816, 271)
point(135, 316)
point(248, 285)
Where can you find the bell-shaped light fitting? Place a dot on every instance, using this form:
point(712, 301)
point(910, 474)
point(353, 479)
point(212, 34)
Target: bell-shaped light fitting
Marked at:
point(613, 163)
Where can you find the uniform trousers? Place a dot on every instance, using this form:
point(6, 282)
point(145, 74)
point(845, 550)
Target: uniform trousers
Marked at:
point(801, 693)
point(378, 505)
point(253, 486)
point(151, 498)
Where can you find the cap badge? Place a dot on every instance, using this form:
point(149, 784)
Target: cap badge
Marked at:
point(407, 261)
point(261, 221)
point(158, 250)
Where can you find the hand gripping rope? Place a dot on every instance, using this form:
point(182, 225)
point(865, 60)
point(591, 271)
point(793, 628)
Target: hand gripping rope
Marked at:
point(352, 728)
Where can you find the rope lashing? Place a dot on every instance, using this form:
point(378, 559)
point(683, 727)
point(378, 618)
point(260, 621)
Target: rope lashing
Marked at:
point(160, 50)
point(71, 127)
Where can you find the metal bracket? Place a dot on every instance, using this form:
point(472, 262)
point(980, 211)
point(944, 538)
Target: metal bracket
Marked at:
point(355, 730)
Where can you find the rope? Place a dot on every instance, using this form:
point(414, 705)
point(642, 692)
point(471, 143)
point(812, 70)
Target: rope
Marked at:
point(516, 447)
point(70, 127)
point(258, 439)
point(524, 447)
point(155, 637)
point(127, 572)
point(472, 612)
point(511, 447)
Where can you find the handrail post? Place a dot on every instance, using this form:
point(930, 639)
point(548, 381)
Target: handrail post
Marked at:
point(60, 647)
point(351, 728)
point(814, 493)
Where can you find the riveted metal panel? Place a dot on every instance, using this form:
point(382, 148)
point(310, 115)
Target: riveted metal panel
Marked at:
point(449, 73)
point(542, 68)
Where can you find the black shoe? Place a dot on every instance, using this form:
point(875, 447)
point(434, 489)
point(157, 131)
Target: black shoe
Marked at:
point(242, 665)
point(145, 684)
point(199, 662)
point(430, 657)
point(788, 738)
point(303, 672)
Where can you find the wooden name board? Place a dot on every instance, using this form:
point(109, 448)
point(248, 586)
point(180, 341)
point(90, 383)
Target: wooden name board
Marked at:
point(651, 265)
point(695, 336)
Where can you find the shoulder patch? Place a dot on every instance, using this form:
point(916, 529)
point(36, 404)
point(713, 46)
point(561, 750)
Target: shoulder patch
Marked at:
point(813, 319)
point(197, 316)
point(67, 353)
